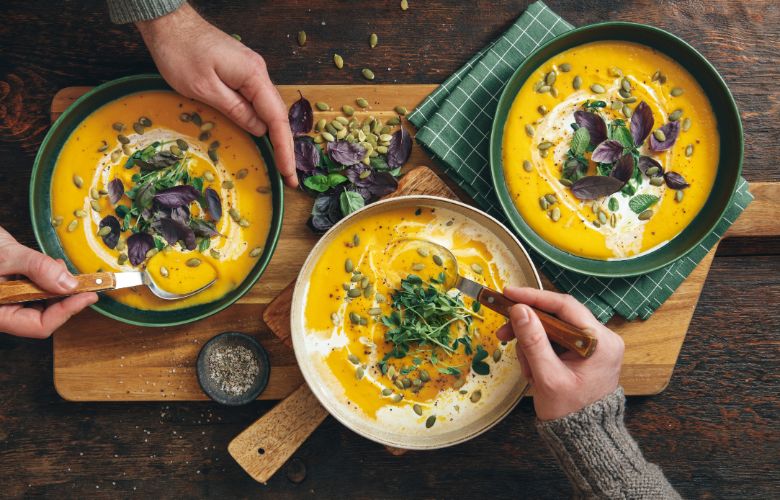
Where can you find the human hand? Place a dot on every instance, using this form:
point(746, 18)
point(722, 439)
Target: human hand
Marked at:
point(37, 320)
point(204, 63)
point(567, 383)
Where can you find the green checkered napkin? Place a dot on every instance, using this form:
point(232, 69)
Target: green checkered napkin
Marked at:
point(454, 125)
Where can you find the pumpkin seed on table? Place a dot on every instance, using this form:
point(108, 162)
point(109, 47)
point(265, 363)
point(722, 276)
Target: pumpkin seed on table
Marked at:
point(677, 91)
point(404, 4)
point(338, 61)
point(625, 84)
point(577, 82)
point(629, 100)
point(401, 110)
point(363, 103)
point(394, 121)
point(256, 252)
point(368, 74)
point(348, 110)
point(301, 38)
point(373, 40)
point(598, 89)
point(322, 106)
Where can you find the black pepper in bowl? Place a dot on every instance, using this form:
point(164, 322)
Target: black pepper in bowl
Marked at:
point(233, 368)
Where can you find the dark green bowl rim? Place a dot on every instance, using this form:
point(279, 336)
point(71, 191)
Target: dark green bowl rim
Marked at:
point(609, 268)
point(209, 308)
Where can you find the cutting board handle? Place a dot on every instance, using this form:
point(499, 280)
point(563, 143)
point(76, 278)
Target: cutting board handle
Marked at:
point(263, 447)
point(17, 291)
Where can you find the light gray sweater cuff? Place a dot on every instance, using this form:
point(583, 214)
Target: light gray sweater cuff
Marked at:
point(599, 456)
point(130, 11)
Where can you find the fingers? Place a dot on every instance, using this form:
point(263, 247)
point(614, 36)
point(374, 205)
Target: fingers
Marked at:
point(34, 323)
point(44, 271)
point(564, 306)
point(532, 342)
point(237, 108)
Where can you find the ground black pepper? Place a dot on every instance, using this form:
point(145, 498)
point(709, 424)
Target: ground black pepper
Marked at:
point(233, 368)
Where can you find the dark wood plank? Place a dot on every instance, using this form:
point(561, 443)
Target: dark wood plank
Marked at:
point(713, 429)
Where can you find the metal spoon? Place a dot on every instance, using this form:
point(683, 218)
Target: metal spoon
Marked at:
point(559, 331)
point(14, 292)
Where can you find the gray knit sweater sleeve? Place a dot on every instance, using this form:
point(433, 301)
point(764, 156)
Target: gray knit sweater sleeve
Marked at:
point(130, 11)
point(599, 456)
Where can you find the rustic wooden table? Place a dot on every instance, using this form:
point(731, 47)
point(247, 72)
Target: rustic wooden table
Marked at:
point(714, 430)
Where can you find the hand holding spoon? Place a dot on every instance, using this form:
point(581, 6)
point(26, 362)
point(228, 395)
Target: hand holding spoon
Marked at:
point(559, 331)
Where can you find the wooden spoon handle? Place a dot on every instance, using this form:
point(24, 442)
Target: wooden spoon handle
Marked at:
point(14, 292)
point(559, 331)
point(263, 447)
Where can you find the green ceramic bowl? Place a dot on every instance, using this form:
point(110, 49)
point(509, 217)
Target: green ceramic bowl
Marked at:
point(729, 165)
point(40, 204)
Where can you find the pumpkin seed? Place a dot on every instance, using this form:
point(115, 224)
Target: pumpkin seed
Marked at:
point(151, 253)
point(363, 103)
point(675, 115)
point(185, 117)
point(164, 272)
point(566, 182)
point(543, 203)
point(476, 396)
point(56, 221)
point(555, 214)
point(677, 91)
point(476, 268)
point(542, 109)
point(338, 61)
point(322, 106)
point(387, 392)
point(625, 84)
point(127, 150)
point(543, 153)
point(393, 121)
point(347, 110)
point(95, 205)
point(204, 136)
point(656, 76)
point(208, 176)
point(401, 110)
point(368, 74)
point(438, 260)
point(256, 252)
point(207, 127)
point(122, 258)
point(686, 125)
point(397, 397)
point(196, 119)
point(554, 91)
point(497, 355)
point(545, 145)
point(550, 78)
point(352, 358)
point(417, 266)
point(598, 89)
point(613, 220)
point(565, 67)
point(627, 112)
point(320, 126)
point(103, 147)
point(646, 215)
point(138, 128)
point(341, 134)
point(329, 128)
point(360, 372)
point(657, 181)
point(328, 136)
point(404, 4)
point(234, 214)
point(406, 382)
point(617, 105)
point(145, 122)
point(373, 40)
point(115, 155)
point(417, 409)
point(551, 198)
point(527, 166)
point(577, 82)
point(301, 38)
point(214, 254)
point(182, 144)
point(354, 293)
point(529, 129)
point(430, 421)
point(380, 298)
point(356, 276)
point(629, 100)
point(194, 262)
point(650, 172)
point(122, 139)
point(244, 223)
point(118, 126)
point(121, 245)
point(543, 89)
point(624, 94)
point(104, 231)
point(602, 217)
point(659, 135)
point(689, 150)
point(614, 71)
point(73, 225)
point(214, 145)
point(364, 282)
point(678, 196)
point(80, 213)
point(241, 174)
point(375, 311)
point(175, 150)
point(337, 125)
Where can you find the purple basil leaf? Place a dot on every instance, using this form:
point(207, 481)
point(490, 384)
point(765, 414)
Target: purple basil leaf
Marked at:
point(596, 186)
point(177, 196)
point(203, 228)
point(675, 180)
point(594, 124)
point(181, 214)
point(112, 238)
point(383, 183)
point(115, 191)
point(641, 123)
point(301, 116)
point(173, 231)
point(307, 155)
point(607, 152)
point(646, 162)
point(399, 149)
point(346, 153)
point(624, 168)
point(325, 212)
point(359, 175)
point(137, 246)
point(213, 204)
point(671, 130)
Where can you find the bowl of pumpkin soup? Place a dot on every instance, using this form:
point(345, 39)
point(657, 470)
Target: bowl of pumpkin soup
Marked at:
point(616, 149)
point(135, 177)
point(386, 347)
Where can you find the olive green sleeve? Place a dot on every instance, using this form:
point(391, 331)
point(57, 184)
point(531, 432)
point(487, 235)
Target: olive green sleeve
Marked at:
point(599, 456)
point(130, 11)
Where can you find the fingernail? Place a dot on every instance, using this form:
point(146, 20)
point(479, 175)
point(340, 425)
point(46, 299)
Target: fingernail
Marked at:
point(67, 281)
point(519, 315)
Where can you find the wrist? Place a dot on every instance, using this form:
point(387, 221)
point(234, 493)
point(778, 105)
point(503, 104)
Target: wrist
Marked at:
point(181, 20)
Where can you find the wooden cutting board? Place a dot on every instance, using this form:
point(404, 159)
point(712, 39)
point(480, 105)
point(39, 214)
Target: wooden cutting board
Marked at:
point(98, 359)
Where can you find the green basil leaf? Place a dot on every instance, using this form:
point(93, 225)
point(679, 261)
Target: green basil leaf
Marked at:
point(642, 202)
point(317, 183)
point(623, 136)
point(580, 141)
point(350, 201)
point(336, 179)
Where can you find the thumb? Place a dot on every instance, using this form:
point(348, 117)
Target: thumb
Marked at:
point(533, 343)
point(41, 269)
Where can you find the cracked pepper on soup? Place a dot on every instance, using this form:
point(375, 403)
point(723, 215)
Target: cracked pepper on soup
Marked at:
point(610, 150)
point(159, 182)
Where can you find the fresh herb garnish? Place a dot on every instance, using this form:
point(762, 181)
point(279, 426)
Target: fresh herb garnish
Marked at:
point(642, 202)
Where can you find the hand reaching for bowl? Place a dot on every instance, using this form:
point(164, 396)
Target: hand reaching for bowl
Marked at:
point(204, 63)
point(38, 320)
point(567, 383)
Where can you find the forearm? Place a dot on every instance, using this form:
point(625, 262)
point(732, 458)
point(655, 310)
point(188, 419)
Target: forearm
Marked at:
point(599, 456)
point(130, 11)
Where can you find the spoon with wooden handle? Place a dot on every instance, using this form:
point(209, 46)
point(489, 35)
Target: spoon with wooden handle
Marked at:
point(562, 333)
